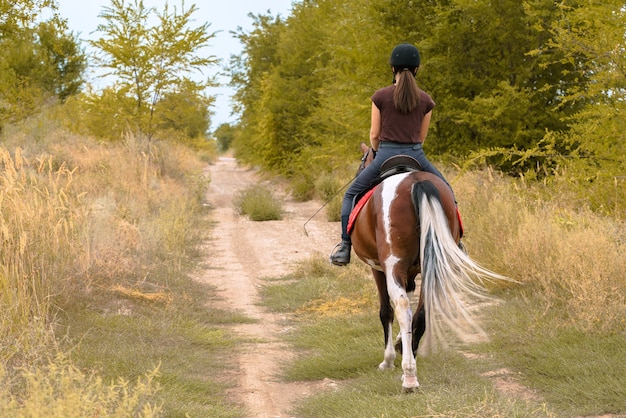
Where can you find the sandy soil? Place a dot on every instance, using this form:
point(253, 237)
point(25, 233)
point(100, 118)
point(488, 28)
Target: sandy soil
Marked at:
point(241, 254)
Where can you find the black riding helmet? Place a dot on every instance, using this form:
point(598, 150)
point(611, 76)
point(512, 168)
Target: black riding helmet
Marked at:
point(405, 56)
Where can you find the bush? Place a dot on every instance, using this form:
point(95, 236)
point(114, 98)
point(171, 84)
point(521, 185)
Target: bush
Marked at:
point(60, 390)
point(300, 188)
point(258, 203)
point(329, 189)
point(569, 255)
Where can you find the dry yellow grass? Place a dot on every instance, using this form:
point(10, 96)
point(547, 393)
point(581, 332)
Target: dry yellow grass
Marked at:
point(162, 297)
point(39, 230)
point(78, 215)
point(59, 389)
point(534, 234)
point(337, 307)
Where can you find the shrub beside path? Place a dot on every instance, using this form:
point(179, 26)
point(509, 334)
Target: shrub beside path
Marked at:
point(239, 256)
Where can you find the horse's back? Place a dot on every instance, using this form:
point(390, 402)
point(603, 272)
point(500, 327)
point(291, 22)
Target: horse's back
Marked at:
point(388, 222)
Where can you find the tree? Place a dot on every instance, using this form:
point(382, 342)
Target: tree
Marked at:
point(64, 59)
point(512, 79)
point(39, 59)
point(591, 35)
point(482, 75)
point(224, 135)
point(185, 110)
point(301, 83)
point(152, 62)
point(17, 15)
point(249, 74)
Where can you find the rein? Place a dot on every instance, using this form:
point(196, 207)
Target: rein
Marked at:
point(361, 168)
point(328, 201)
point(364, 160)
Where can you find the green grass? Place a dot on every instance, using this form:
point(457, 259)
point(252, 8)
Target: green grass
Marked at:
point(568, 372)
point(336, 348)
point(185, 338)
point(259, 203)
point(576, 372)
point(450, 387)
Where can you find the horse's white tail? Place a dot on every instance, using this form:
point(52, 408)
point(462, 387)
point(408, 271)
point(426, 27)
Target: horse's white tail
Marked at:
point(450, 279)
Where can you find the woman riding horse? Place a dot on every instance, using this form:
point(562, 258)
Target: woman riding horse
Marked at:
point(408, 226)
point(401, 115)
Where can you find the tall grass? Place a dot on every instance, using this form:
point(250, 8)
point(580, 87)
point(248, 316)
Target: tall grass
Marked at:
point(40, 242)
point(564, 328)
point(90, 226)
point(559, 334)
point(573, 258)
point(59, 389)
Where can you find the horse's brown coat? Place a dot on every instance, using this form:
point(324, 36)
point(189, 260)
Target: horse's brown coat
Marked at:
point(387, 236)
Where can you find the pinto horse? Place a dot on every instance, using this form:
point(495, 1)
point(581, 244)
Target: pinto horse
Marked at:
point(409, 226)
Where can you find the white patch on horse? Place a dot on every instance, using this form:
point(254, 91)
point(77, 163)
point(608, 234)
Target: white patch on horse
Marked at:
point(389, 193)
point(397, 294)
point(374, 264)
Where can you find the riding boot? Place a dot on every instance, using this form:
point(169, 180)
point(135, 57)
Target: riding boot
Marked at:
point(341, 254)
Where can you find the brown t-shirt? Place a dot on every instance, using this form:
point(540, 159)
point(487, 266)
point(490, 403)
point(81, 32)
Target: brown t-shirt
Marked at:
point(400, 127)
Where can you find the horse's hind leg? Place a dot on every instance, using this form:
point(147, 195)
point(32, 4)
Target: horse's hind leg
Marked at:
point(386, 319)
point(398, 343)
point(419, 326)
point(401, 305)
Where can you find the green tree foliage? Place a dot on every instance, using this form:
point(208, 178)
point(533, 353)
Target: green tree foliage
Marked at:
point(185, 110)
point(250, 75)
point(224, 135)
point(39, 59)
point(516, 82)
point(353, 67)
point(152, 65)
point(303, 87)
point(21, 14)
point(592, 35)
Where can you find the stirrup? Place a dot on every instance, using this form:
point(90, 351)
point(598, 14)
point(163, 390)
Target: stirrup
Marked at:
point(339, 259)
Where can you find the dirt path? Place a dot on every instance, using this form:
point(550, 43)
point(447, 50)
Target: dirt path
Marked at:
point(241, 254)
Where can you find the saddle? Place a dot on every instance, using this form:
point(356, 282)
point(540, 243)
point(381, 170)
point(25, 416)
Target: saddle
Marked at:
point(396, 165)
point(391, 166)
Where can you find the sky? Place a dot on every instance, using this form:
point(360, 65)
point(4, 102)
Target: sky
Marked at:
point(223, 15)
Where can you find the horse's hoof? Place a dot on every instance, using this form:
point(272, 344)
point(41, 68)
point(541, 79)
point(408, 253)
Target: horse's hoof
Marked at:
point(386, 366)
point(410, 384)
point(410, 390)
